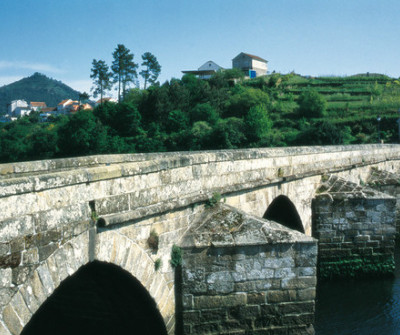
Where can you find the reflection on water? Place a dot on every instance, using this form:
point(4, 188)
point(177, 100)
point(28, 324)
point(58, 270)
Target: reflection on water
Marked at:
point(359, 307)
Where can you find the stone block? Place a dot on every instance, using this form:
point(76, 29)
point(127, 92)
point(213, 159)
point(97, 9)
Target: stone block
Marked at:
point(299, 282)
point(30, 256)
point(11, 320)
point(17, 244)
point(47, 250)
point(21, 274)
point(297, 320)
point(187, 301)
point(20, 308)
point(6, 294)
point(256, 298)
point(220, 282)
point(213, 315)
point(3, 329)
point(306, 294)
point(5, 277)
point(277, 296)
point(10, 261)
point(191, 317)
point(245, 312)
point(5, 249)
point(215, 301)
point(296, 307)
point(208, 328)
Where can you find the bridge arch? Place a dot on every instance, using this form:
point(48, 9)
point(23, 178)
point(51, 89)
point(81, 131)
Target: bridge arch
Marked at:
point(66, 261)
point(283, 211)
point(100, 298)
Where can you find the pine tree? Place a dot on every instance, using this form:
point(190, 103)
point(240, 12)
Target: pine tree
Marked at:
point(101, 78)
point(124, 69)
point(152, 68)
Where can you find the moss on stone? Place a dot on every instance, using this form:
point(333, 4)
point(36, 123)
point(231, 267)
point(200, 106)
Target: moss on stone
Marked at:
point(357, 267)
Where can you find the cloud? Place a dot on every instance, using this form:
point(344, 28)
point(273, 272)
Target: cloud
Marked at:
point(79, 85)
point(40, 67)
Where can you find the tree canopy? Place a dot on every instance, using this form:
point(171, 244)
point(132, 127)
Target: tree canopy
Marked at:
point(151, 69)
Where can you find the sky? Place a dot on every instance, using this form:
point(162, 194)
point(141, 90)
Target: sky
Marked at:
point(60, 38)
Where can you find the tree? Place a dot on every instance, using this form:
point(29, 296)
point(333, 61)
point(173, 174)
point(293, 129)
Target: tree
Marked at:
point(124, 69)
point(258, 124)
point(101, 78)
point(82, 134)
point(311, 104)
point(152, 68)
point(83, 97)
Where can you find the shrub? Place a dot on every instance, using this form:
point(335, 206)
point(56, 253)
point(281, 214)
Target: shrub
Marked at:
point(153, 240)
point(311, 104)
point(176, 256)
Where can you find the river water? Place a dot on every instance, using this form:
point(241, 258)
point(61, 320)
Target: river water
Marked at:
point(364, 307)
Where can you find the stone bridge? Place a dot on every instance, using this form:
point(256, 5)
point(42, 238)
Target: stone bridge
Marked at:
point(112, 227)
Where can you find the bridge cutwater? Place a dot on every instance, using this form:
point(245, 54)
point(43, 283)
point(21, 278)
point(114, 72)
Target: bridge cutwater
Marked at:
point(213, 242)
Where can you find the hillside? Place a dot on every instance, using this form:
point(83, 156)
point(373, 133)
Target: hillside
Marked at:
point(219, 113)
point(37, 87)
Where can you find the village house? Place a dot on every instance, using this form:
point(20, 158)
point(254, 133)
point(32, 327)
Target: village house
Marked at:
point(37, 106)
point(252, 66)
point(206, 70)
point(18, 108)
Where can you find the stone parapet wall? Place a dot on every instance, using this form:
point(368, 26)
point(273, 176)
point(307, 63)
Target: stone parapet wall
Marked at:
point(355, 228)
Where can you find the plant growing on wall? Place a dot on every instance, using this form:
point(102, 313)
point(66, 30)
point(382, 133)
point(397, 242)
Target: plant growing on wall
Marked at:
point(153, 240)
point(176, 256)
point(215, 199)
point(157, 264)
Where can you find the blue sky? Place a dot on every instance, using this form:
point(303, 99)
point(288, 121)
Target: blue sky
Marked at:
point(60, 38)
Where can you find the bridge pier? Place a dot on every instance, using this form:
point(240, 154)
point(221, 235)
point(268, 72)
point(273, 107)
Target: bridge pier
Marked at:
point(246, 275)
point(355, 228)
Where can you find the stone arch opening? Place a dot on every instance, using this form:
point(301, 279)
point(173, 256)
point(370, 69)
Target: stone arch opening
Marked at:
point(283, 211)
point(100, 298)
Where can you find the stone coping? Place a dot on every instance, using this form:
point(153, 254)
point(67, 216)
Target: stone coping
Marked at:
point(339, 188)
point(287, 164)
point(226, 226)
point(383, 178)
point(180, 158)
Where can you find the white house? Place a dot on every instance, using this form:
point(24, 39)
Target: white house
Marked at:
point(37, 106)
point(18, 108)
point(65, 106)
point(206, 70)
point(250, 64)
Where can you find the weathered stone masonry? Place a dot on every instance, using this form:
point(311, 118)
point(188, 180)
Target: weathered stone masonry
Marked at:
point(46, 209)
point(245, 275)
point(356, 229)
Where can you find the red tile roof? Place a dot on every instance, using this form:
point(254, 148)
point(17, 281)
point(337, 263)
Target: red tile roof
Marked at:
point(38, 104)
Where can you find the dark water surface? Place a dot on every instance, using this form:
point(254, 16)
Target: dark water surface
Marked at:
point(359, 307)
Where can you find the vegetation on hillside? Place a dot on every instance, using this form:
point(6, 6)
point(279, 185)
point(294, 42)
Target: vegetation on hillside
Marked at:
point(37, 87)
point(220, 113)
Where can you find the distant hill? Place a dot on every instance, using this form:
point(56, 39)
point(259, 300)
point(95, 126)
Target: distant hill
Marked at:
point(37, 87)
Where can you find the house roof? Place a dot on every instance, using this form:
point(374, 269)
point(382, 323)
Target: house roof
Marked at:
point(38, 104)
point(48, 109)
point(64, 101)
point(87, 106)
point(252, 57)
